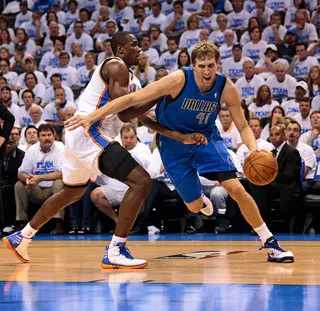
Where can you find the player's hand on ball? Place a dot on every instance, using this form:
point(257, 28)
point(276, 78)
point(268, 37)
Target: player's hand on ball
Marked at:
point(77, 121)
point(194, 138)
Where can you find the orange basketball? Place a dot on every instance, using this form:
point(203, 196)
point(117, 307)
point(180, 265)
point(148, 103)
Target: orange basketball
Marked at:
point(261, 167)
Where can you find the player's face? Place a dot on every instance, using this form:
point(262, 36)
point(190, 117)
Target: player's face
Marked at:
point(292, 133)
point(277, 136)
point(131, 52)
point(129, 139)
point(205, 73)
point(255, 127)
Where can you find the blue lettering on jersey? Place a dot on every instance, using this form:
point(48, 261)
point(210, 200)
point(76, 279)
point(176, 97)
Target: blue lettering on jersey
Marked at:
point(192, 41)
point(81, 64)
point(25, 121)
point(292, 110)
point(46, 167)
point(179, 25)
point(64, 76)
point(134, 29)
point(305, 130)
point(199, 105)
point(226, 54)
point(247, 91)
point(205, 23)
point(300, 71)
point(253, 53)
point(235, 73)
point(236, 23)
point(169, 62)
point(84, 78)
point(219, 40)
point(261, 114)
point(227, 141)
point(31, 32)
point(272, 39)
point(54, 62)
point(279, 92)
point(303, 38)
point(277, 5)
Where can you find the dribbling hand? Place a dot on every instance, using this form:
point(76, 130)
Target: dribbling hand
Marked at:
point(77, 121)
point(194, 138)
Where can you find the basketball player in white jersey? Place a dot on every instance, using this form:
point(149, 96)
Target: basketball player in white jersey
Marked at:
point(87, 156)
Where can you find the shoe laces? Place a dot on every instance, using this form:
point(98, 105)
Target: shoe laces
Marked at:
point(123, 252)
point(274, 245)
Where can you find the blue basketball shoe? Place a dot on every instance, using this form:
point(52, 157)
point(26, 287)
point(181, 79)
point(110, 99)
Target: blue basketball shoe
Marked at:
point(119, 257)
point(18, 245)
point(276, 253)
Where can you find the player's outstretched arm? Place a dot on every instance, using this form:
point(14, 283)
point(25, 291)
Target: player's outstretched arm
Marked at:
point(169, 85)
point(231, 98)
point(152, 123)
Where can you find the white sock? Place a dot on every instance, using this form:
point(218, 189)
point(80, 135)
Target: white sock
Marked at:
point(115, 240)
point(263, 233)
point(28, 232)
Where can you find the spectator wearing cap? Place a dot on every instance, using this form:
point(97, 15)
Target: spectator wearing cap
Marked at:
point(78, 55)
point(238, 19)
point(111, 30)
point(10, 76)
point(155, 18)
point(30, 66)
point(275, 32)
point(301, 63)
point(85, 41)
point(72, 14)
point(24, 16)
point(33, 27)
point(51, 59)
point(266, 67)
point(281, 84)
point(255, 47)
point(233, 68)
point(68, 74)
point(249, 84)
point(226, 48)
point(84, 17)
point(262, 12)
point(306, 32)
point(7, 102)
point(33, 85)
point(17, 61)
point(287, 49)
point(291, 107)
point(42, 6)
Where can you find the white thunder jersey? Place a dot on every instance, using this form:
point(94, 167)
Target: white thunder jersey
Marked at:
point(81, 152)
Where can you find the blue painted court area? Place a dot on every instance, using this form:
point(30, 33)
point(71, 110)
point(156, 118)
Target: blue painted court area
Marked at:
point(47, 296)
point(179, 237)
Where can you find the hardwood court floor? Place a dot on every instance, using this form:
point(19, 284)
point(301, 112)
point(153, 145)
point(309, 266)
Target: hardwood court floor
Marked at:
point(201, 272)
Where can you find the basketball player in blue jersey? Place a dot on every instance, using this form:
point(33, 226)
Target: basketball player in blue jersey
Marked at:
point(87, 156)
point(190, 102)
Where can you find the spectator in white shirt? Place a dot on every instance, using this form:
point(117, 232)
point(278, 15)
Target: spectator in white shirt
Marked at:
point(84, 71)
point(72, 14)
point(303, 117)
point(24, 16)
point(264, 104)
point(290, 17)
point(204, 35)
point(54, 113)
point(101, 24)
point(107, 51)
point(144, 72)
point(170, 58)
point(5, 41)
point(292, 106)
point(262, 12)
point(86, 22)
point(161, 73)
point(78, 55)
point(207, 17)
point(275, 32)
point(312, 138)
point(226, 48)
point(192, 34)
point(256, 127)
point(111, 30)
point(184, 60)
point(24, 117)
point(158, 39)
point(266, 67)
point(31, 138)
point(306, 32)
point(278, 5)
point(40, 175)
point(32, 84)
point(249, 84)
point(233, 68)
point(193, 5)
point(228, 130)
point(86, 42)
point(151, 53)
point(217, 36)
point(68, 74)
point(18, 58)
point(156, 18)
point(54, 32)
point(245, 37)
point(22, 37)
point(314, 81)
point(281, 84)
point(110, 195)
point(177, 20)
point(121, 12)
point(7, 102)
point(301, 62)
point(11, 76)
point(255, 48)
point(238, 19)
point(14, 95)
point(47, 19)
point(33, 27)
point(134, 25)
point(51, 59)
point(293, 134)
point(167, 7)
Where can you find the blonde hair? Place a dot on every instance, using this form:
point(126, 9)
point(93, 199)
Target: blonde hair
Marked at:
point(146, 69)
point(204, 50)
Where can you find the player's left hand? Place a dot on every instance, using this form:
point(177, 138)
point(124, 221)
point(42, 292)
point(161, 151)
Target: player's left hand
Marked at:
point(194, 138)
point(77, 121)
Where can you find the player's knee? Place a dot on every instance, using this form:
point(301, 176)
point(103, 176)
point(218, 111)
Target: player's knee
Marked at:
point(75, 194)
point(237, 192)
point(144, 183)
point(95, 196)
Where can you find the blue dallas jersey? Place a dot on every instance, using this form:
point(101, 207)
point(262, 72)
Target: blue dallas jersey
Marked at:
point(192, 111)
